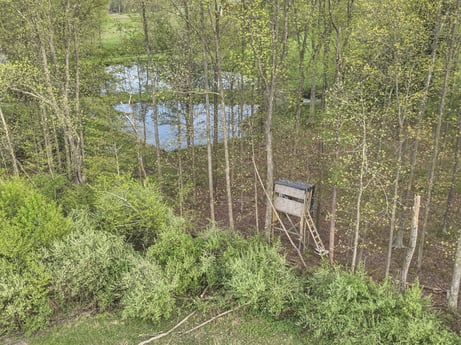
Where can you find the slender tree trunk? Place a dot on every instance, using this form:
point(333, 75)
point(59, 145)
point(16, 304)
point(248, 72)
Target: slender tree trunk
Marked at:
point(412, 245)
point(279, 36)
point(9, 144)
point(152, 74)
point(47, 140)
point(446, 216)
point(217, 41)
point(80, 137)
point(396, 181)
point(453, 293)
point(139, 145)
point(363, 168)
point(421, 111)
point(455, 45)
point(331, 246)
point(302, 45)
point(440, 112)
point(180, 171)
point(208, 117)
point(189, 116)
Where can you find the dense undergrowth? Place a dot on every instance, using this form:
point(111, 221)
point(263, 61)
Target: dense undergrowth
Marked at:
point(124, 250)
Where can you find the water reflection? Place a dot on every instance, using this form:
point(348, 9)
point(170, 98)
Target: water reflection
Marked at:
point(134, 79)
point(171, 118)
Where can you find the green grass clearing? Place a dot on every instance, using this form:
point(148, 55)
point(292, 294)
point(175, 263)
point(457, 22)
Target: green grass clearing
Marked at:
point(117, 28)
point(109, 329)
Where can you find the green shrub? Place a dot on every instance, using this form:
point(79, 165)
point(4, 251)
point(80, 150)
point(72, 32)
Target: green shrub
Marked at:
point(346, 308)
point(68, 195)
point(87, 266)
point(257, 275)
point(149, 294)
point(178, 254)
point(137, 212)
point(28, 220)
point(214, 242)
point(24, 299)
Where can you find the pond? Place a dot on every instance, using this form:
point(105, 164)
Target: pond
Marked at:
point(169, 114)
point(133, 79)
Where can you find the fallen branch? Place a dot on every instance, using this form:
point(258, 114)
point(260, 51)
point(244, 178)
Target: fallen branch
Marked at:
point(433, 289)
point(212, 319)
point(164, 334)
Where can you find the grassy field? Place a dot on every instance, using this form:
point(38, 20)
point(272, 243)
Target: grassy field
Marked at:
point(118, 34)
point(119, 27)
point(109, 329)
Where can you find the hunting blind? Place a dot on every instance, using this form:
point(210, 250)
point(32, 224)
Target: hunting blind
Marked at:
point(293, 202)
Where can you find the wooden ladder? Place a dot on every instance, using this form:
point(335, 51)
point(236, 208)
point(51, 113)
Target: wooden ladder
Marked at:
point(319, 247)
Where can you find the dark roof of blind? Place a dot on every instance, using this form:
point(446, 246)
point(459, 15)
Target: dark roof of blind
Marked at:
point(298, 185)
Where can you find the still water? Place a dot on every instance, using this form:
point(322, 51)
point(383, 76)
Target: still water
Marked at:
point(133, 79)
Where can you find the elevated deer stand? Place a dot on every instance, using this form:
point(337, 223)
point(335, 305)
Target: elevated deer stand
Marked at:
point(294, 201)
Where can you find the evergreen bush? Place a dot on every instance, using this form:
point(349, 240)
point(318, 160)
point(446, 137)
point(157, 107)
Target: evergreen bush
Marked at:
point(345, 308)
point(257, 275)
point(178, 254)
point(148, 293)
point(68, 195)
point(28, 221)
point(24, 297)
point(126, 207)
point(214, 242)
point(87, 266)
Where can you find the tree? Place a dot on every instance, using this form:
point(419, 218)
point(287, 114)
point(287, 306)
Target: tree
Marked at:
point(53, 44)
point(208, 114)
point(267, 31)
point(453, 45)
point(217, 46)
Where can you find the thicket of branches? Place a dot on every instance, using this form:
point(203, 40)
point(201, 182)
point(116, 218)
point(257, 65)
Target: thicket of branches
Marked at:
point(84, 265)
point(358, 97)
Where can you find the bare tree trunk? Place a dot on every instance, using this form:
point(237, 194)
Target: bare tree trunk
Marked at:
point(363, 169)
point(421, 111)
point(446, 217)
point(139, 145)
point(331, 245)
point(224, 125)
point(412, 244)
point(455, 45)
point(279, 36)
point(401, 122)
point(440, 112)
point(78, 113)
point(47, 140)
point(152, 73)
point(208, 117)
point(302, 45)
point(180, 171)
point(9, 144)
point(189, 116)
point(453, 293)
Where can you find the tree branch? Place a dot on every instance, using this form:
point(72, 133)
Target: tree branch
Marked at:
point(164, 334)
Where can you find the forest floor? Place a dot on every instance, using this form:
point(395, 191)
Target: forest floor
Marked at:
point(434, 277)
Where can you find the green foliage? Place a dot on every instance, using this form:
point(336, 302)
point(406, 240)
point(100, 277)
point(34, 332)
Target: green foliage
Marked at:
point(214, 242)
point(24, 298)
point(137, 212)
point(68, 195)
point(149, 294)
point(257, 275)
point(87, 266)
point(346, 308)
point(28, 220)
point(178, 254)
